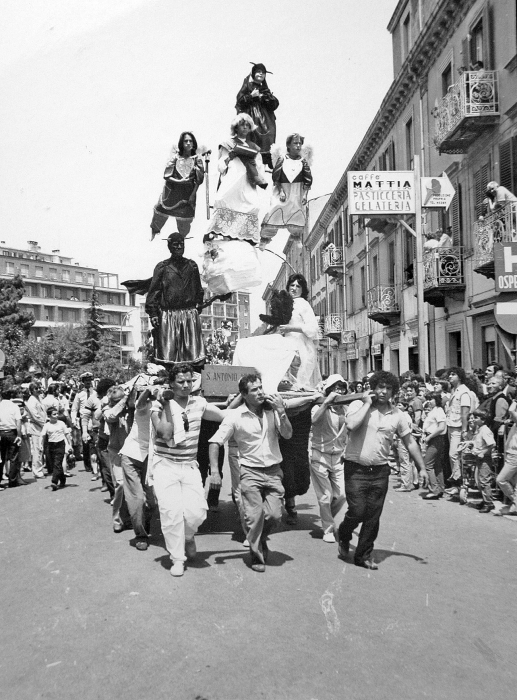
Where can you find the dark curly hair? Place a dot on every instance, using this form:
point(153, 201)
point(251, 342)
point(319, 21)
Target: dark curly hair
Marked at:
point(387, 378)
point(296, 277)
point(248, 379)
point(459, 371)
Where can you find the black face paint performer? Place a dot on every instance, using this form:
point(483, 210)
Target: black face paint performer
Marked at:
point(173, 300)
point(256, 99)
point(183, 175)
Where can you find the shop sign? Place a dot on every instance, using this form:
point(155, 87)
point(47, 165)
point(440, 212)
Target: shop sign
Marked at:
point(348, 336)
point(377, 349)
point(505, 264)
point(374, 192)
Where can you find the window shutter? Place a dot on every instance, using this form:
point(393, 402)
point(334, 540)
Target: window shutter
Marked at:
point(488, 53)
point(481, 180)
point(392, 156)
point(514, 164)
point(465, 54)
point(505, 164)
point(455, 217)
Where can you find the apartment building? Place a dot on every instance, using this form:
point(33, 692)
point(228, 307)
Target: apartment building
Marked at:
point(58, 292)
point(234, 314)
point(453, 103)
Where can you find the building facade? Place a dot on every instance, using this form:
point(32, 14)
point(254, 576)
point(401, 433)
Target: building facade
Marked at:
point(58, 292)
point(233, 313)
point(453, 103)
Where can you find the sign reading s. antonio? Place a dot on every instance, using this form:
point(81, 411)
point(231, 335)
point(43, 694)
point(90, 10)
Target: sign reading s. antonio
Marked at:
point(374, 192)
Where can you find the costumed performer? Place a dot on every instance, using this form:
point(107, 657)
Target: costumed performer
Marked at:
point(292, 179)
point(230, 262)
point(183, 175)
point(173, 302)
point(256, 99)
point(273, 355)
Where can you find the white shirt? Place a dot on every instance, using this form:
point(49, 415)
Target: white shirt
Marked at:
point(9, 415)
point(136, 445)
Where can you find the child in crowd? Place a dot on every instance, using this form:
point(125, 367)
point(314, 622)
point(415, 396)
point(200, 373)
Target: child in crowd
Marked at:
point(56, 434)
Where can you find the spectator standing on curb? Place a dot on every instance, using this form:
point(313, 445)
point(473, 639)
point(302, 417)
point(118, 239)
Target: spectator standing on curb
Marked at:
point(457, 413)
point(37, 419)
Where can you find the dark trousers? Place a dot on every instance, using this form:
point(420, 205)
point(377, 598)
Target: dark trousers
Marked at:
point(436, 457)
point(366, 489)
point(56, 453)
point(9, 452)
point(87, 462)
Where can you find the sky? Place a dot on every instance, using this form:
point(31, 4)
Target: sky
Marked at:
point(95, 93)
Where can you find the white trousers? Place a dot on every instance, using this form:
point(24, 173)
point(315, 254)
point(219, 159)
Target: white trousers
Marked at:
point(328, 480)
point(181, 501)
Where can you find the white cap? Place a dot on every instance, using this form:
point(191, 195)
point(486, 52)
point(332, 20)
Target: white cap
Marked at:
point(334, 379)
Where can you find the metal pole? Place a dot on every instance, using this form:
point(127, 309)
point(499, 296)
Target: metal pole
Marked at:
point(422, 345)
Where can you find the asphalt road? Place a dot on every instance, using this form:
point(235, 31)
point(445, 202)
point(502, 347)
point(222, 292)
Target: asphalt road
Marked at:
point(85, 615)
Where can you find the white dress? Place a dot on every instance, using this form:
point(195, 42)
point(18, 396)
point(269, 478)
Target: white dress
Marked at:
point(272, 355)
point(230, 261)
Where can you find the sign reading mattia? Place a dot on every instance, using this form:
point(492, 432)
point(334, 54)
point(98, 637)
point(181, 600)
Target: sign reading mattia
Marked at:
point(381, 192)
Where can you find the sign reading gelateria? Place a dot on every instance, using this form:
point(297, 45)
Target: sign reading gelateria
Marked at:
point(377, 192)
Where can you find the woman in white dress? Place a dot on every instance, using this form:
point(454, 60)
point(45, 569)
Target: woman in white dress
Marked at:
point(231, 261)
point(273, 355)
point(292, 179)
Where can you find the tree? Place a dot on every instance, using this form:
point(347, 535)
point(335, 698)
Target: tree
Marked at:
point(61, 347)
point(14, 325)
point(94, 328)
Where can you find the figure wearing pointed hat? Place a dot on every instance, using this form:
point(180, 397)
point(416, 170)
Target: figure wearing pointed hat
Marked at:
point(256, 99)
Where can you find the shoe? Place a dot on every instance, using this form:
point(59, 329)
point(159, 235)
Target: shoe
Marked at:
point(38, 476)
point(343, 549)
point(452, 491)
point(486, 508)
point(53, 487)
point(142, 545)
point(402, 489)
point(258, 567)
point(190, 548)
point(104, 489)
point(67, 474)
point(95, 478)
point(292, 517)
point(118, 528)
point(416, 487)
point(367, 564)
point(329, 537)
point(433, 496)
point(246, 543)
point(507, 510)
point(2, 488)
point(178, 568)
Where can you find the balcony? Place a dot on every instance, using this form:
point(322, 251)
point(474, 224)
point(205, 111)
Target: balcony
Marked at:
point(498, 227)
point(334, 324)
point(383, 305)
point(443, 274)
point(469, 108)
point(332, 259)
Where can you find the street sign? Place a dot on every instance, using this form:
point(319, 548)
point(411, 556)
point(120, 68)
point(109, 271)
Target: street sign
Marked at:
point(505, 266)
point(506, 315)
point(437, 192)
point(381, 192)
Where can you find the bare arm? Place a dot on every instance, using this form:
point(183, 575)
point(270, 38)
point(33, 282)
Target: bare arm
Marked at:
point(354, 420)
point(213, 455)
point(410, 443)
point(214, 413)
point(281, 420)
point(328, 400)
point(162, 422)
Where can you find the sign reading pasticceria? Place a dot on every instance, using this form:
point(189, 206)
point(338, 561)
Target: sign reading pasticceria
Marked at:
point(377, 192)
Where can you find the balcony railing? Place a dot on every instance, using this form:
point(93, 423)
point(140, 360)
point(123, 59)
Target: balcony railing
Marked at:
point(332, 259)
point(468, 108)
point(498, 227)
point(334, 324)
point(383, 303)
point(443, 273)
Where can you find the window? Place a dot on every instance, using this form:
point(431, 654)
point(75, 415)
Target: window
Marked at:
point(53, 273)
point(24, 270)
point(447, 80)
point(508, 164)
point(409, 257)
point(79, 277)
point(350, 295)
point(375, 271)
point(410, 144)
point(363, 286)
point(49, 313)
point(455, 354)
point(406, 35)
point(90, 278)
point(39, 271)
point(476, 44)
point(391, 263)
point(9, 268)
point(45, 291)
point(57, 292)
point(481, 180)
point(66, 275)
point(489, 354)
point(477, 47)
point(452, 219)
